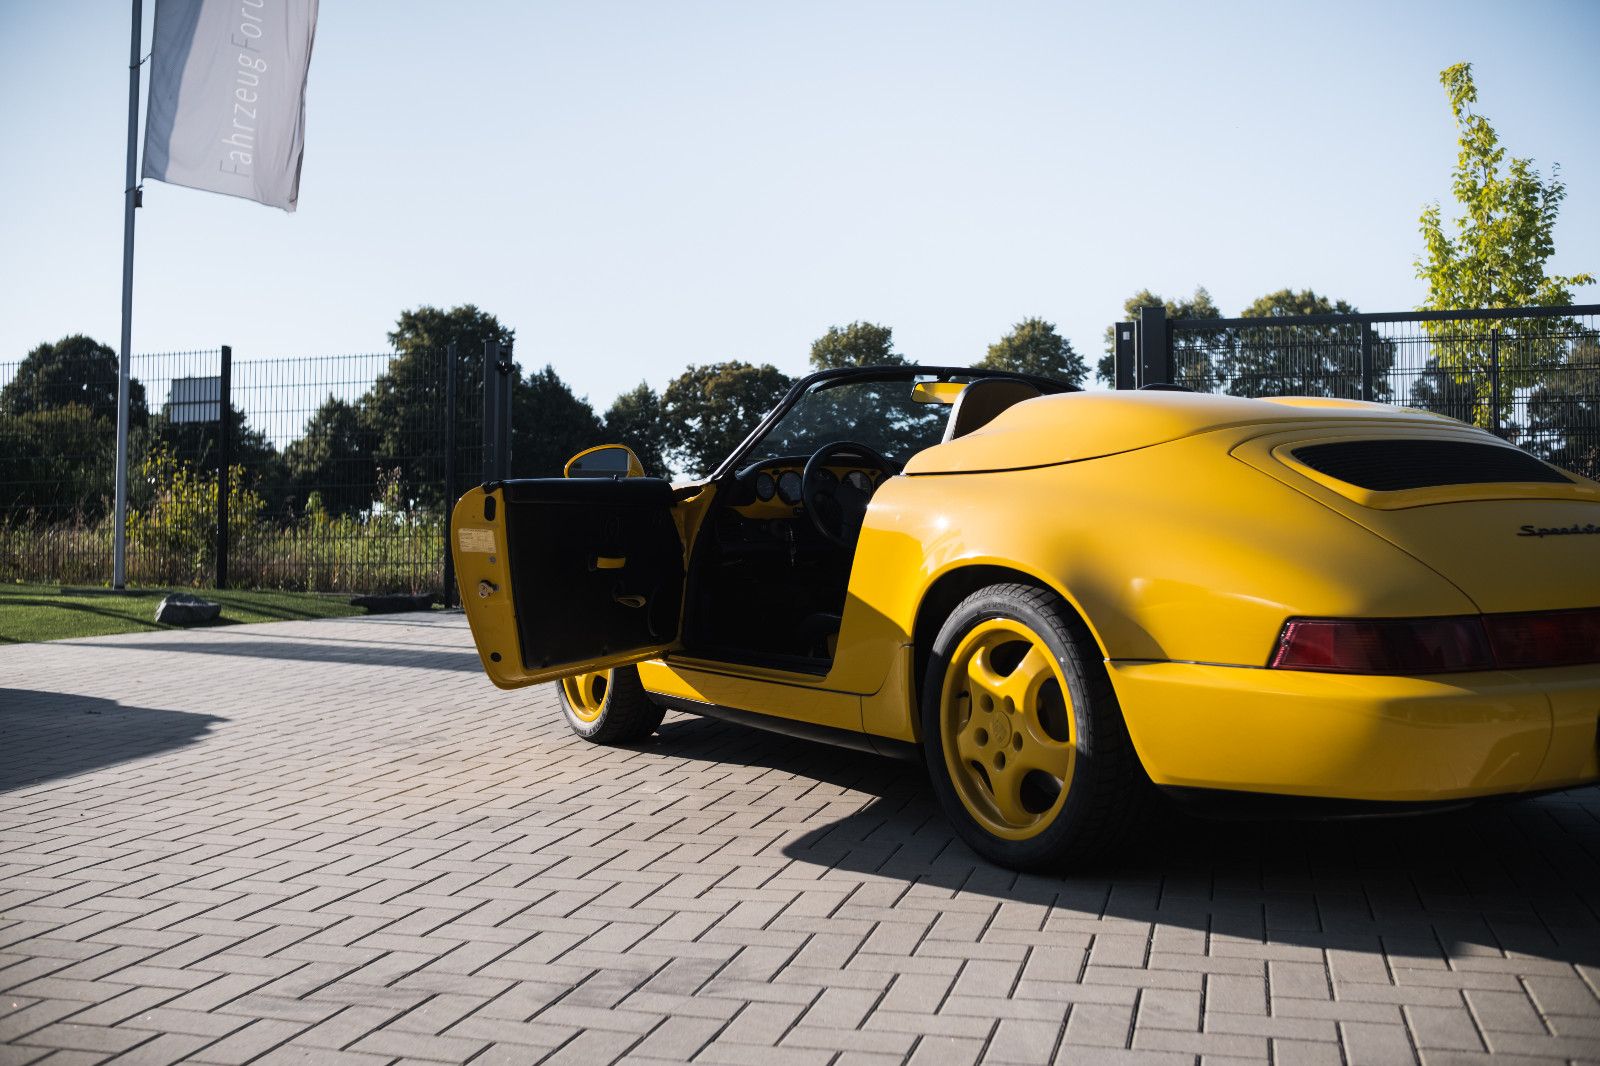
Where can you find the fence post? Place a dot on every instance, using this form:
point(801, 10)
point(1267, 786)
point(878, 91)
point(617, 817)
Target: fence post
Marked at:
point(1366, 362)
point(1125, 371)
point(503, 423)
point(497, 381)
point(449, 471)
point(224, 461)
point(1494, 380)
point(491, 409)
point(1155, 353)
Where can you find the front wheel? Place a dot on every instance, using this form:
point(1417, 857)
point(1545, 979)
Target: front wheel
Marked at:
point(1023, 736)
point(609, 706)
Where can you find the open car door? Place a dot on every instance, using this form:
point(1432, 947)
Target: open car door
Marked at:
point(563, 576)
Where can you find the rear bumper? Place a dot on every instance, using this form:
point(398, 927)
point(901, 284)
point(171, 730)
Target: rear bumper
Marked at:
point(1383, 739)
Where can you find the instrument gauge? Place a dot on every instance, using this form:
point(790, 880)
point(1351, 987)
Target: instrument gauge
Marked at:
point(766, 486)
point(827, 478)
point(789, 487)
point(859, 481)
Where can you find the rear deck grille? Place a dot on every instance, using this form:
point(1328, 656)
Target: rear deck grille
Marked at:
point(1415, 463)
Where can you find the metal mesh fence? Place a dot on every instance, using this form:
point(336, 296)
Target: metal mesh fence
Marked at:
point(1531, 375)
point(338, 470)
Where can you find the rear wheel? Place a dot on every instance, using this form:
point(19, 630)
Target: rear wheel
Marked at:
point(1023, 736)
point(609, 706)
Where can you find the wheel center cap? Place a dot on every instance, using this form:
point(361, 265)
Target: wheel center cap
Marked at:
point(1002, 729)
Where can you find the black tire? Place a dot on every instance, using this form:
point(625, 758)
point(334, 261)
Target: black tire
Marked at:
point(1105, 790)
point(623, 714)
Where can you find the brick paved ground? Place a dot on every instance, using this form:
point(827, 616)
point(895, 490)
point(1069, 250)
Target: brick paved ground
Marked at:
point(335, 842)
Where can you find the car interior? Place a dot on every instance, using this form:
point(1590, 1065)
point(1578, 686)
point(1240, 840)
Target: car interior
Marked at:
point(768, 579)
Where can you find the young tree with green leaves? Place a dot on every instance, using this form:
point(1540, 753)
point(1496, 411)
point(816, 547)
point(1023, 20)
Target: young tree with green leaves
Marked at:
point(1034, 347)
point(1495, 255)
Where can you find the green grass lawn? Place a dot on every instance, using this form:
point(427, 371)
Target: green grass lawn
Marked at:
point(52, 612)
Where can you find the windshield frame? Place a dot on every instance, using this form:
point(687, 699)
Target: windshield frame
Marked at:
point(842, 375)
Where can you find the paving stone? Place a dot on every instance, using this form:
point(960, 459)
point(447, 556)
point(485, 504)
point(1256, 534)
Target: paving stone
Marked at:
point(1449, 1028)
point(1376, 1044)
point(1169, 1008)
point(1233, 994)
point(1016, 1040)
point(1306, 1053)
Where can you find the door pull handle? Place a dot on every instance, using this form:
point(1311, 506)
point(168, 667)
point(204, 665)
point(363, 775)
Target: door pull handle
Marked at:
point(628, 600)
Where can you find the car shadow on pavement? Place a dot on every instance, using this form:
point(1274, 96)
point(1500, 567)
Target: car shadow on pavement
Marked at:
point(334, 650)
point(1520, 877)
point(47, 735)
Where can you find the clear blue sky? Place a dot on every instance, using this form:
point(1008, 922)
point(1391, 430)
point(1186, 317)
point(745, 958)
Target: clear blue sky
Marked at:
point(637, 186)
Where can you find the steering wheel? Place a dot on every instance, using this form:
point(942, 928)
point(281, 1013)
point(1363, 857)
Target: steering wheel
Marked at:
point(838, 509)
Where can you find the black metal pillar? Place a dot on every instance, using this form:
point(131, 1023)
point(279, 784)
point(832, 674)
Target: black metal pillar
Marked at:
point(1125, 369)
point(508, 381)
point(491, 409)
point(224, 460)
point(1494, 380)
point(497, 380)
point(1155, 348)
point(449, 471)
point(1367, 390)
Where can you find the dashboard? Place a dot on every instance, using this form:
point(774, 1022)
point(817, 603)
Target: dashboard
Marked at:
point(771, 488)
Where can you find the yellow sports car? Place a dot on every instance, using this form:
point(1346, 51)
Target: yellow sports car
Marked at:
point(1058, 598)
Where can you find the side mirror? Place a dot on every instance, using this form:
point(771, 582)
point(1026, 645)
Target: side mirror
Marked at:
point(606, 460)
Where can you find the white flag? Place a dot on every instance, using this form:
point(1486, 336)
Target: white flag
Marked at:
point(227, 106)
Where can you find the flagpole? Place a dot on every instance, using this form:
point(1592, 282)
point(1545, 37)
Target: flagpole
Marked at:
point(130, 201)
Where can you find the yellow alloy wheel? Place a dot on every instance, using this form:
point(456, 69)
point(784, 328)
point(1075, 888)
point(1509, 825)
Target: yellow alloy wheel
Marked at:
point(1007, 729)
point(586, 694)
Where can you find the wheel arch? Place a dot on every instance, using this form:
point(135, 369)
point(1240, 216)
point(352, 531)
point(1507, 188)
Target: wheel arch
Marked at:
point(954, 585)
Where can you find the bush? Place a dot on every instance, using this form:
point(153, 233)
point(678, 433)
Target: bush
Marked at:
point(172, 536)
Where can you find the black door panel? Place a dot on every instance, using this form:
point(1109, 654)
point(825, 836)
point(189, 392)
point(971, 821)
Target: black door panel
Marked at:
point(596, 567)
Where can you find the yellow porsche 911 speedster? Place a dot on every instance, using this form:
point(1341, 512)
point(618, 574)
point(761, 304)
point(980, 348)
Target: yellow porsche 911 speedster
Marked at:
point(1059, 598)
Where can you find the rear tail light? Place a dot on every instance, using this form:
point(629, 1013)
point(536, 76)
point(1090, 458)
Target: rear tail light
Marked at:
point(1439, 645)
point(1384, 646)
point(1554, 638)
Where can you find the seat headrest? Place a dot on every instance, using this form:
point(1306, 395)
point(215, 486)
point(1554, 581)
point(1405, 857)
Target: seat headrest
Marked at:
point(982, 402)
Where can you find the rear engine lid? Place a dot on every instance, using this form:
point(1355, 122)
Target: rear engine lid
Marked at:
point(1071, 427)
point(1512, 532)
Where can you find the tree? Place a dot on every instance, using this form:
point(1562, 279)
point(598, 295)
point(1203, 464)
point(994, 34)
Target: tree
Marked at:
point(1496, 257)
point(635, 419)
point(333, 459)
point(405, 406)
point(1034, 347)
point(1302, 360)
point(549, 425)
point(709, 410)
point(57, 460)
point(1440, 391)
point(1564, 409)
point(196, 444)
point(858, 344)
point(1193, 353)
point(75, 370)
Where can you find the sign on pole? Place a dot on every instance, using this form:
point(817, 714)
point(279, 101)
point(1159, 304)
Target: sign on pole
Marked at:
point(227, 109)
